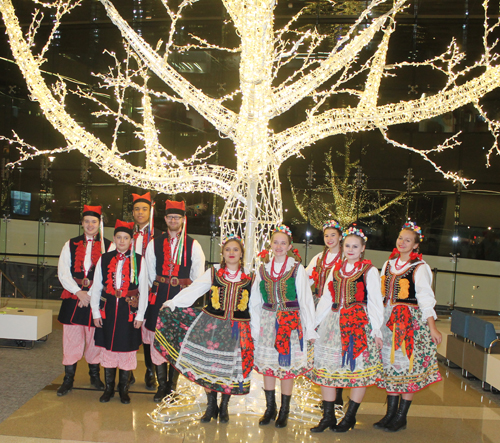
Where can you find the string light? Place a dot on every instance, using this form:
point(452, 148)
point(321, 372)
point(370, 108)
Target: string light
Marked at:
point(252, 191)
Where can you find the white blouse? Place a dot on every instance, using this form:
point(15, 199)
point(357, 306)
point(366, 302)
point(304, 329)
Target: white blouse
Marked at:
point(375, 305)
point(312, 264)
point(423, 286)
point(304, 297)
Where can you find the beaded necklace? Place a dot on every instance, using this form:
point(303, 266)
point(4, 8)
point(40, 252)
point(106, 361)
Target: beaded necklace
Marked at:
point(277, 276)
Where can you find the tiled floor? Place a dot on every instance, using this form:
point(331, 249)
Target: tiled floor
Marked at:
point(449, 411)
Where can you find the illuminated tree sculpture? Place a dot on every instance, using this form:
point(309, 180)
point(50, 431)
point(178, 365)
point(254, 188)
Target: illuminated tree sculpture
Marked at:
point(252, 191)
point(343, 196)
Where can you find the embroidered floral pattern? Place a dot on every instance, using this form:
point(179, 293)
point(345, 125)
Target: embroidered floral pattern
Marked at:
point(404, 288)
point(287, 322)
point(215, 297)
point(242, 305)
point(111, 278)
point(168, 267)
point(352, 331)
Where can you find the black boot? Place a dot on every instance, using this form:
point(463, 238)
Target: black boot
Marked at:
point(161, 375)
point(349, 419)
point(95, 378)
point(329, 420)
point(392, 408)
point(212, 409)
point(123, 385)
point(338, 396)
point(149, 378)
point(173, 376)
point(271, 410)
point(69, 378)
point(399, 421)
point(223, 413)
point(109, 391)
point(132, 378)
point(282, 419)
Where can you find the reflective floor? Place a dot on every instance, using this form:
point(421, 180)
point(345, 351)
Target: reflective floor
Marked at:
point(450, 411)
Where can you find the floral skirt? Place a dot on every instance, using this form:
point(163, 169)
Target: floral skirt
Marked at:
point(330, 368)
point(267, 357)
point(400, 374)
point(214, 353)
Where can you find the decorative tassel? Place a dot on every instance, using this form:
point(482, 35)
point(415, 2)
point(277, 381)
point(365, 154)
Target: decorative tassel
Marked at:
point(284, 360)
point(411, 361)
point(130, 315)
point(133, 264)
point(151, 223)
point(241, 386)
point(234, 330)
point(393, 345)
point(348, 357)
point(101, 234)
point(152, 298)
point(103, 314)
point(301, 341)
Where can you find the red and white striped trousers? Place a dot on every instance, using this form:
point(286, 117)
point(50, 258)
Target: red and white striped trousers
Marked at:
point(77, 342)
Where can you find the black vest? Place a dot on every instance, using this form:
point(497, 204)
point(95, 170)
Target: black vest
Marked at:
point(117, 333)
point(353, 288)
point(166, 291)
point(229, 299)
point(400, 288)
point(70, 313)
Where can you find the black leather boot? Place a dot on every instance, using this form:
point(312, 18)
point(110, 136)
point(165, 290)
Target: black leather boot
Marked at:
point(95, 377)
point(109, 390)
point(349, 419)
point(69, 378)
point(223, 412)
point(173, 376)
point(392, 408)
point(399, 421)
point(271, 410)
point(282, 419)
point(123, 385)
point(329, 420)
point(149, 377)
point(338, 396)
point(132, 378)
point(161, 374)
point(212, 409)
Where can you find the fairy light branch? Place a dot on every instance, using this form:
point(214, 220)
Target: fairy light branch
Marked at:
point(449, 143)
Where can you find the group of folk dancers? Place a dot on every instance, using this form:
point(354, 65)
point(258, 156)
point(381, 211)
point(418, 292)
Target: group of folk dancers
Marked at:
point(338, 322)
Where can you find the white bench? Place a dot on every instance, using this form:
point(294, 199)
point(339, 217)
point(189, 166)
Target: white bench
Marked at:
point(25, 324)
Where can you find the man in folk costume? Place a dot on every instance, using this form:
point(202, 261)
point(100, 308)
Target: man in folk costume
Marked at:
point(75, 270)
point(173, 260)
point(144, 232)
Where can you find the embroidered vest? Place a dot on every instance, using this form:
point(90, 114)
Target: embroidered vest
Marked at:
point(229, 299)
point(105, 263)
point(323, 273)
point(73, 246)
point(352, 289)
point(184, 270)
point(400, 288)
point(280, 295)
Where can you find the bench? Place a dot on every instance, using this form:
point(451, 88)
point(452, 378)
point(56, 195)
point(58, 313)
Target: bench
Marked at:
point(473, 346)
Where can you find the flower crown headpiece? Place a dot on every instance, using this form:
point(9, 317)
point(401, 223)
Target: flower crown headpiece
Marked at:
point(414, 227)
point(284, 230)
point(231, 237)
point(334, 224)
point(354, 231)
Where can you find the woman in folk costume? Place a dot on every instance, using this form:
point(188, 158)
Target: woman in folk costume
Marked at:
point(321, 264)
point(320, 267)
point(213, 347)
point(119, 298)
point(349, 315)
point(282, 319)
point(409, 332)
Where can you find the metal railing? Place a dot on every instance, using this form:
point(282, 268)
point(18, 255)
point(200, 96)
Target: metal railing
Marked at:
point(16, 289)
